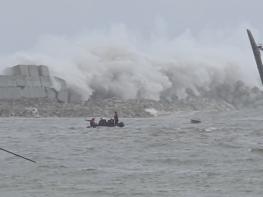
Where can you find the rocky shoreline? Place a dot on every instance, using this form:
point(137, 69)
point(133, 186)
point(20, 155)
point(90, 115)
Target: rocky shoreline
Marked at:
point(220, 97)
point(43, 107)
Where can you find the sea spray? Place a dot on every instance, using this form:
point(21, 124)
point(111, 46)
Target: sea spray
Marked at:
point(119, 63)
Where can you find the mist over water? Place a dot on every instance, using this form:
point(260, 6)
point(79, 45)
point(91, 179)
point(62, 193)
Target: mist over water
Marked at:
point(122, 63)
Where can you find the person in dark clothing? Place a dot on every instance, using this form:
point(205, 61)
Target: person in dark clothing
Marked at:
point(92, 123)
point(116, 118)
point(102, 122)
point(110, 123)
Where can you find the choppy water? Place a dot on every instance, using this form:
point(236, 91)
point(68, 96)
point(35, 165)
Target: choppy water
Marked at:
point(164, 156)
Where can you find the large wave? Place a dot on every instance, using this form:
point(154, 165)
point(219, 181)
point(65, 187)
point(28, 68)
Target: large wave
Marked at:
point(121, 63)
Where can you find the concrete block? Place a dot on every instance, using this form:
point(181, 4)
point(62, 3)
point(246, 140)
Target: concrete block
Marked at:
point(33, 71)
point(33, 92)
point(62, 96)
point(51, 93)
point(61, 83)
point(43, 71)
point(7, 81)
point(20, 81)
point(20, 70)
point(33, 81)
point(10, 93)
point(46, 82)
point(30, 81)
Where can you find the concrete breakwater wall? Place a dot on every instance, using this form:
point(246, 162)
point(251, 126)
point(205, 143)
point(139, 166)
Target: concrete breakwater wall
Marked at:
point(32, 81)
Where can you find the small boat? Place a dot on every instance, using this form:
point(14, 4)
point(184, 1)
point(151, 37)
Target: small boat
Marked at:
point(120, 124)
point(194, 121)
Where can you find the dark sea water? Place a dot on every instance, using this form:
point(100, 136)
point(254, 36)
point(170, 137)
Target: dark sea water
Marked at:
point(161, 156)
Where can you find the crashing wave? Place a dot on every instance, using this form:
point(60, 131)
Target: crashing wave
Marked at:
point(118, 69)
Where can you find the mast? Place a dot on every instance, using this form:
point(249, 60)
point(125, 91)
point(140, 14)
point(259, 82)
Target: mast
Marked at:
point(257, 55)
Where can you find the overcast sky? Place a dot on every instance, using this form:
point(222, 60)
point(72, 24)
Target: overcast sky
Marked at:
point(23, 22)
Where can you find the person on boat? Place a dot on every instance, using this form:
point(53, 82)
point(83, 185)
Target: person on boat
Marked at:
point(116, 118)
point(92, 123)
point(102, 122)
point(110, 123)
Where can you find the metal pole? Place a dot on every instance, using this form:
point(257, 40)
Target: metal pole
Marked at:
point(17, 155)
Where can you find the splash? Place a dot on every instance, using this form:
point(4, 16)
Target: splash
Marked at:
point(123, 64)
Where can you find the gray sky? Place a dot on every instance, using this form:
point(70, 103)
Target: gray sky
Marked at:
point(23, 22)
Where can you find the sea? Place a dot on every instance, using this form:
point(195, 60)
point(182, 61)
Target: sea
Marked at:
point(160, 156)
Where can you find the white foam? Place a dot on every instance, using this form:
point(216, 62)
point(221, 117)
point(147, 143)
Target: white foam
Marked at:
point(152, 111)
point(120, 63)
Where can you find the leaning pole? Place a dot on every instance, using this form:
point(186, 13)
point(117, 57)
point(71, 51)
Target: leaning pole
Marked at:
point(256, 53)
point(17, 155)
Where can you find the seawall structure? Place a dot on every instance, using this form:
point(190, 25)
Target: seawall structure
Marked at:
point(34, 81)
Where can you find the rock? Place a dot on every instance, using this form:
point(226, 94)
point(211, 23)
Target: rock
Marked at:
point(195, 121)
